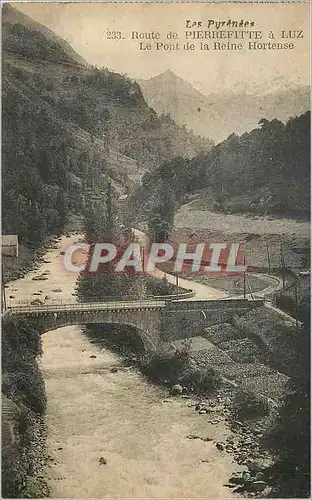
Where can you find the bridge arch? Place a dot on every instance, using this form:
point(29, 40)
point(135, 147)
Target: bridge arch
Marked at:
point(146, 322)
point(146, 339)
point(125, 335)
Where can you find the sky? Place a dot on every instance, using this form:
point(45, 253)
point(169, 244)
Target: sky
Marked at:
point(85, 26)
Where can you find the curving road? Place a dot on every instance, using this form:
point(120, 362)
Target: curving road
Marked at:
point(201, 291)
point(208, 292)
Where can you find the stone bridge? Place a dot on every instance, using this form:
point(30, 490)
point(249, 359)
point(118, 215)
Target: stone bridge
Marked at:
point(156, 321)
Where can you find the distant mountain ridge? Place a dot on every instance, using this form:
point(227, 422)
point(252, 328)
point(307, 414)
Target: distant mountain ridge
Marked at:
point(168, 78)
point(222, 113)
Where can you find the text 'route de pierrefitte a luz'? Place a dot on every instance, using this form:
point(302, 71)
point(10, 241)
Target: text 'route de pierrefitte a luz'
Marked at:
point(195, 31)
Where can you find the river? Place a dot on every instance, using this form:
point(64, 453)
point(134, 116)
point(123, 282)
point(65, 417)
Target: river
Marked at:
point(131, 423)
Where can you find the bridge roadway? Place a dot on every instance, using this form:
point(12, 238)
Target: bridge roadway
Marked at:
point(112, 305)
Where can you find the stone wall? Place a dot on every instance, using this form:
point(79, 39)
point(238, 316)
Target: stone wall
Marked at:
point(189, 318)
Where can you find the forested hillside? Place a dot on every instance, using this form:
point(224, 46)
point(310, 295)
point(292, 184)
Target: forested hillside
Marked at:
point(68, 128)
point(265, 171)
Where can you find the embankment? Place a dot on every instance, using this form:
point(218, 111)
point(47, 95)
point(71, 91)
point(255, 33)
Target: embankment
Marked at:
point(24, 404)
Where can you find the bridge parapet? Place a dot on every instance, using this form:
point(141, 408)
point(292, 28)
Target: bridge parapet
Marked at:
point(88, 306)
point(213, 304)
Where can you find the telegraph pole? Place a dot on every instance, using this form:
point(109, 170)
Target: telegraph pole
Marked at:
point(249, 287)
point(282, 264)
point(142, 257)
point(296, 302)
point(4, 296)
point(244, 276)
point(268, 254)
point(3, 289)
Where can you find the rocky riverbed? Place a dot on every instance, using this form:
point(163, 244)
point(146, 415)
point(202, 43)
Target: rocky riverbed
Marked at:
point(111, 433)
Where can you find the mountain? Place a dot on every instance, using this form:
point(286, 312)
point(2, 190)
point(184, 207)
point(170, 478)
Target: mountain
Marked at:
point(278, 83)
point(219, 114)
point(69, 128)
point(26, 38)
point(169, 90)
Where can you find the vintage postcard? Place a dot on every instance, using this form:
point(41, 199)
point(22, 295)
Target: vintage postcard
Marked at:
point(155, 250)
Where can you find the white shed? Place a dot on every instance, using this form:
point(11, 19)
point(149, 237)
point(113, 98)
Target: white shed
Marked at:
point(9, 245)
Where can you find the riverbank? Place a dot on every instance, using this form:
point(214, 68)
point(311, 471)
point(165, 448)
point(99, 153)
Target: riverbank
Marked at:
point(23, 409)
point(27, 260)
point(54, 283)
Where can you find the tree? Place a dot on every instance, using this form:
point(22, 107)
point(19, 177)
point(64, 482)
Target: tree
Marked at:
point(101, 225)
point(290, 437)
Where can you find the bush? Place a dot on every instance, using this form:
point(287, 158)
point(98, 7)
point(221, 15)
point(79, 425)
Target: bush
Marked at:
point(202, 381)
point(248, 405)
point(22, 380)
point(175, 367)
point(168, 365)
point(156, 286)
point(22, 461)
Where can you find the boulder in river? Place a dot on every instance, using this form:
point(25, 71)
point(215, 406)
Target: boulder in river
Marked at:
point(176, 389)
point(257, 486)
point(245, 476)
point(36, 302)
point(260, 464)
point(238, 423)
point(236, 480)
